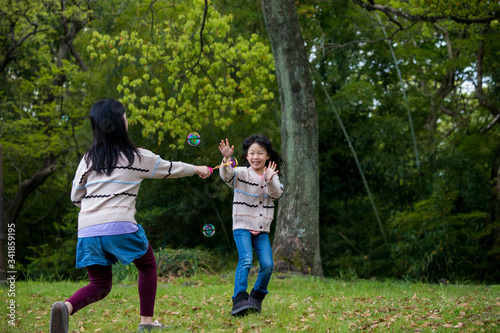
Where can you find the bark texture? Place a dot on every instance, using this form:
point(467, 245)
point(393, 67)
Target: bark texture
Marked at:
point(296, 242)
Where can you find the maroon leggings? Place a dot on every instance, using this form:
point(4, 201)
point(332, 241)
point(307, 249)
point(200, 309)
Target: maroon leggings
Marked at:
point(101, 280)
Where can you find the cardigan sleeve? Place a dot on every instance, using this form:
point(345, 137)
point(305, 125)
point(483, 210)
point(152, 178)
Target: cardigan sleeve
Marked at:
point(161, 169)
point(274, 188)
point(78, 190)
point(170, 169)
point(227, 174)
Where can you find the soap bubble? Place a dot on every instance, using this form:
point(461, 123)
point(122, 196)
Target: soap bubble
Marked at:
point(64, 118)
point(233, 162)
point(193, 139)
point(208, 230)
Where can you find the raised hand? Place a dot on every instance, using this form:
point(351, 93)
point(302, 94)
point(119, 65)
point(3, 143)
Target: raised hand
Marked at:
point(270, 171)
point(226, 150)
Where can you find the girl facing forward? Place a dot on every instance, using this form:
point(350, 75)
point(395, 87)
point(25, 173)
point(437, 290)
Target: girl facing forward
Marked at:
point(256, 186)
point(105, 188)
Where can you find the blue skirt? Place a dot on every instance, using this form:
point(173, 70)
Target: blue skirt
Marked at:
point(107, 250)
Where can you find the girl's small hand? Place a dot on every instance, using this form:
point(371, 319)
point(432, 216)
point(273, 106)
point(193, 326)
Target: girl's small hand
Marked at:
point(203, 171)
point(270, 171)
point(226, 150)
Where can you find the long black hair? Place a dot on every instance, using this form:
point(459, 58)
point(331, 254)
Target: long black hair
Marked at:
point(263, 141)
point(110, 137)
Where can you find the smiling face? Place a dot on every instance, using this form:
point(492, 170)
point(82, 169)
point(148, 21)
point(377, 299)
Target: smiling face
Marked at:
point(257, 157)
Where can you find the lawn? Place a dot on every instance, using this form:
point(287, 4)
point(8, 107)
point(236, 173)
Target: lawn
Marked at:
point(202, 303)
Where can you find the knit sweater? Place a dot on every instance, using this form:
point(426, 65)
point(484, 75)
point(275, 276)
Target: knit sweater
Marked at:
point(112, 198)
point(253, 206)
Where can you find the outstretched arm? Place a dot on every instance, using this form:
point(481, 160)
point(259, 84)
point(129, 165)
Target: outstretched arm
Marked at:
point(203, 171)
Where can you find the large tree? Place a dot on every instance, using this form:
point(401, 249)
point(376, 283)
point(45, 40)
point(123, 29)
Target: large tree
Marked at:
point(38, 59)
point(296, 241)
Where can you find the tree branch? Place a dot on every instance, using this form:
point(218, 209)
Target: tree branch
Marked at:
point(401, 28)
point(452, 113)
point(479, 86)
point(203, 25)
point(26, 187)
point(425, 18)
point(490, 125)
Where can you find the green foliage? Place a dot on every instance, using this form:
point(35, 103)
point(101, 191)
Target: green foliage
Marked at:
point(125, 273)
point(51, 264)
point(58, 264)
point(461, 9)
point(152, 55)
point(185, 262)
point(175, 83)
point(39, 84)
point(46, 262)
point(432, 242)
point(361, 77)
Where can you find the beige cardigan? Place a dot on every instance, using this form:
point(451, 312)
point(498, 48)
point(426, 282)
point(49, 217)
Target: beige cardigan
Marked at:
point(253, 206)
point(112, 198)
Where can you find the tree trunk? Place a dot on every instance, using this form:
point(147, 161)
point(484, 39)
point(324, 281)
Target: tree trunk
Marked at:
point(26, 187)
point(296, 242)
point(496, 232)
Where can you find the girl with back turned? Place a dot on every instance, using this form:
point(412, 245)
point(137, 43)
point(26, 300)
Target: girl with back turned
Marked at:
point(105, 187)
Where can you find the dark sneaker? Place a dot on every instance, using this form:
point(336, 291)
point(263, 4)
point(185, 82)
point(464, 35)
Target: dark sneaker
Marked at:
point(59, 318)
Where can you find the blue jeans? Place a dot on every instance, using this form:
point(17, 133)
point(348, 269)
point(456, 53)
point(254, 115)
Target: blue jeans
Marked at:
point(260, 243)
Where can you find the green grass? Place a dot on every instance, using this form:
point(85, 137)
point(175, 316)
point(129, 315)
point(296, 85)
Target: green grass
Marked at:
point(202, 304)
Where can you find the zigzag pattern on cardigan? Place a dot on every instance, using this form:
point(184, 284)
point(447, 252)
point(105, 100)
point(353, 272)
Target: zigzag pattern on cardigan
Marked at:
point(229, 181)
point(108, 195)
point(169, 170)
point(131, 168)
point(244, 203)
point(245, 182)
point(116, 167)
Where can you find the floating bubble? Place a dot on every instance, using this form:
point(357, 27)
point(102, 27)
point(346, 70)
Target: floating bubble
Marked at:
point(208, 230)
point(233, 162)
point(64, 118)
point(193, 139)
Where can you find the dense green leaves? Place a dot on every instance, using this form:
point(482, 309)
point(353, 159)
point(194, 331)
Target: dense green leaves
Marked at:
point(438, 62)
point(178, 71)
point(176, 82)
